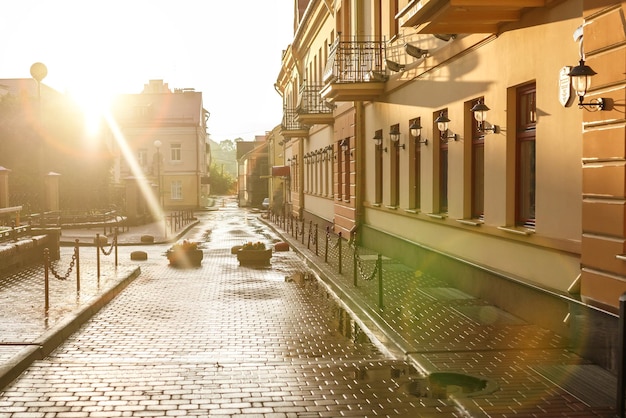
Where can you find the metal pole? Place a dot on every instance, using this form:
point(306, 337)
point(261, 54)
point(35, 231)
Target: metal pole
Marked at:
point(76, 253)
point(98, 255)
point(621, 332)
point(379, 263)
point(340, 255)
point(326, 248)
point(116, 258)
point(46, 261)
point(354, 266)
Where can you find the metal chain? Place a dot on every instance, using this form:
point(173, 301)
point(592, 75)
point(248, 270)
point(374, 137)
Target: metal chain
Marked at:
point(359, 263)
point(110, 250)
point(69, 270)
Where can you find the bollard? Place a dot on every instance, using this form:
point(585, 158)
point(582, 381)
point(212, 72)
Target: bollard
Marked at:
point(621, 345)
point(77, 255)
point(379, 264)
point(316, 242)
point(46, 261)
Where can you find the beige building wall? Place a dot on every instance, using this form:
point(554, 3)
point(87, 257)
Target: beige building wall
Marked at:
point(492, 67)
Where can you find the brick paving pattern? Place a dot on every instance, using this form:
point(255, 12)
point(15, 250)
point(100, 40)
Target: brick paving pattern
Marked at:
point(225, 340)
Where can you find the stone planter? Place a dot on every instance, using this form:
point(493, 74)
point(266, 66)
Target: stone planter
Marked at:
point(185, 258)
point(254, 257)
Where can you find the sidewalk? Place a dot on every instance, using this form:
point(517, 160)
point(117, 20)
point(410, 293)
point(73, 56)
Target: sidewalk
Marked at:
point(27, 332)
point(523, 370)
point(442, 330)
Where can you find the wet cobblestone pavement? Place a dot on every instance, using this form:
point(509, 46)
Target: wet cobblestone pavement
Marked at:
point(219, 340)
point(274, 341)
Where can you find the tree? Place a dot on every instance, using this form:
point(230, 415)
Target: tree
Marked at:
point(222, 183)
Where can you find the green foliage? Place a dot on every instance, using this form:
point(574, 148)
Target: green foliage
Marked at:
point(221, 183)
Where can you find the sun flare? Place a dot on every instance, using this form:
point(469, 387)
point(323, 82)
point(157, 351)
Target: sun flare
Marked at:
point(94, 106)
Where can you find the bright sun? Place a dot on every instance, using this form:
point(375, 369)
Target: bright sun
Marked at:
point(94, 106)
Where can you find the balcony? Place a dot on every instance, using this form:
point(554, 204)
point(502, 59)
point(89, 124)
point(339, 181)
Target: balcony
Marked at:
point(463, 16)
point(355, 70)
point(291, 127)
point(312, 108)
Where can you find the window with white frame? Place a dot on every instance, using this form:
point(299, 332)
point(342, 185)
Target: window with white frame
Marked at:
point(142, 157)
point(176, 190)
point(176, 152)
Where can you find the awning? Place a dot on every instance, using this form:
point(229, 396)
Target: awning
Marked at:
point(280, 171)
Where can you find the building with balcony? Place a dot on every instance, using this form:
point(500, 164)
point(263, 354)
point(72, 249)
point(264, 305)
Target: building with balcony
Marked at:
point(164, 136)
point(451, 136)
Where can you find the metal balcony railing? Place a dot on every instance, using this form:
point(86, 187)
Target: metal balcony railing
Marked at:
point(290, 121)
point(311, 101)
point(355, 61)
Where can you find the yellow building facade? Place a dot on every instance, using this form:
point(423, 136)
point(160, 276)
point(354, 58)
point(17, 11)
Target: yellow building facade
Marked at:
point(522, 206)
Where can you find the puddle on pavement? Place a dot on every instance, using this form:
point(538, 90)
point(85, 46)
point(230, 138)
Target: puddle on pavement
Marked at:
point(443, 385)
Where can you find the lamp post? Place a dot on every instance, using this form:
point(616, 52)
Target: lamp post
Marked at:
point(157, 144)
point(38, 72)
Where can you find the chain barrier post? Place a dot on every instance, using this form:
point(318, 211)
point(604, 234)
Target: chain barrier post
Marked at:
point(98, 255)
point(303, 230)
point(46, 262)
point(621, 332)
point(115, 238)
point(316, 236)
point(354, 266)
point(77, 256)
point(340, 251)
point(379, 264)
point(308, 243)
point(326, 248)
point(297, 230)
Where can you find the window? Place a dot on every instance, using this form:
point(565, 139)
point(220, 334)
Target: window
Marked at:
point(329, 171)
point(378, 169)
point(175, 152)
point(415, 167)
point(394, 198)
point(525, 155)
point(176, 190)
point(142, 157)
point(443, 167)
point(346, 184)
point(478, 169)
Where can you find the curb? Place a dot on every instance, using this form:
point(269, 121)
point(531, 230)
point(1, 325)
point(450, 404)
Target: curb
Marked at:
point(56, 335)
point(369, 320)
point(177, 236)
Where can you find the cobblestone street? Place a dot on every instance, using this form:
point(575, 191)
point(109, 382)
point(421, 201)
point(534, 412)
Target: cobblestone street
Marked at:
point(219, 340)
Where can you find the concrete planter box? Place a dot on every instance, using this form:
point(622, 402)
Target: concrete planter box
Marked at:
point(254, 257)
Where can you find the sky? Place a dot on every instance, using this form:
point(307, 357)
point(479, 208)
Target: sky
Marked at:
point(228, 50)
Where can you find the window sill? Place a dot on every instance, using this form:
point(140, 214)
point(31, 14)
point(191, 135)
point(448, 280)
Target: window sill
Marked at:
point(376, 205)
point(621, 257)
point(413, 211)
point(391, 207)
point(436, 215)
point(516, 231)
point(471, 222)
